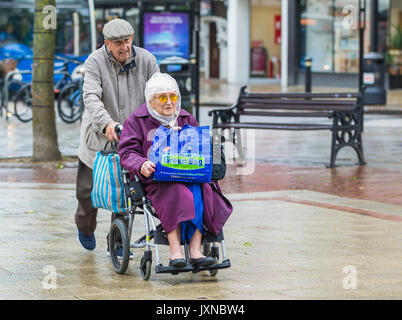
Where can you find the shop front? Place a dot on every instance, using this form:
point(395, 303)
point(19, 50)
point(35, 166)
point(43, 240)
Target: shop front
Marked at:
point(266, 38)
point(213, 39)
point(327, 31)
point(394, 56)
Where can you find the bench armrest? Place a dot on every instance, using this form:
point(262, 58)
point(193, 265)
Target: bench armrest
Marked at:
point(232, 107)
point(357, 108)
point(225, 115)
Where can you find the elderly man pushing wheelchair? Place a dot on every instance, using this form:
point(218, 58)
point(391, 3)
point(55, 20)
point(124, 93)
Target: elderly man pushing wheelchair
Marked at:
point(114, 84)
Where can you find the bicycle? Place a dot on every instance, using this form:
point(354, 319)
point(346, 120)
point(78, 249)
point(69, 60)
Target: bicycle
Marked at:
point(16, 86)
point(70, 104)
point(23, 103)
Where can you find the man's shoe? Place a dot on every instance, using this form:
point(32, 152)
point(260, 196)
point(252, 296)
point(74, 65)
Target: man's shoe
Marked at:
point(88, 242)
point(119, 253)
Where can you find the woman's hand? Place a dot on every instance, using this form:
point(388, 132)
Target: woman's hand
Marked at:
point(147, 168)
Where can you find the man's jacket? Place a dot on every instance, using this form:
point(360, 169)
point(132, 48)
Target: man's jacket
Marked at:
point(111, 93)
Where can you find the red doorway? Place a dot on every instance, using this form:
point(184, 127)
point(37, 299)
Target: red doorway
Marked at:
point(213, 52)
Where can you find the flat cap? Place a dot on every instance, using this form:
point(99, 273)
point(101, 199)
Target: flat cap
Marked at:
point(117, 29)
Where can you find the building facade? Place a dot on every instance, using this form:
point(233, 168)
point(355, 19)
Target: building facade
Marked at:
point(272, 39)
point(328, 32)
point(244, 39)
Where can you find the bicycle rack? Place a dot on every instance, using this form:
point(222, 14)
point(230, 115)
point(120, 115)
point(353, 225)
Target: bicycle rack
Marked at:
point(5, 92)
point(5, 89)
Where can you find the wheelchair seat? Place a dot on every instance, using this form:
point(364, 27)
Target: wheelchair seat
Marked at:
point(137, 193)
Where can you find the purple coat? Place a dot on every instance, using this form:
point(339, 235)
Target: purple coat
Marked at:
point(173, 201)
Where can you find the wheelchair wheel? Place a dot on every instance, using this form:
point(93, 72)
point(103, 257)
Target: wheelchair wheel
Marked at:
point(146, 270)
point(118, 239)
point(212, 252)
point(145, 265)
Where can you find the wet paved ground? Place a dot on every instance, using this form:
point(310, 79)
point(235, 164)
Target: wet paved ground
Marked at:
point(284, 160)
point(299, 230)
point(282, 245)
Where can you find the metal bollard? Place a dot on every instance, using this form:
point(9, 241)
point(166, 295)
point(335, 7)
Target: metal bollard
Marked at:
point(308, 63)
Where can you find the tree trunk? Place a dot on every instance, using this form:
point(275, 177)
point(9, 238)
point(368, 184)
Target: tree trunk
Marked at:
point(45, 146)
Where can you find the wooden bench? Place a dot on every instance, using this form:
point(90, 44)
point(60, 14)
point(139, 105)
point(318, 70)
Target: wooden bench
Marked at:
point(344, 111)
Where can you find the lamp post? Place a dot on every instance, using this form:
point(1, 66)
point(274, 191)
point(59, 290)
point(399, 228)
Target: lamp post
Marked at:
point(362, 27)
point(308, 64)
point(196, 75)
point(374, 26)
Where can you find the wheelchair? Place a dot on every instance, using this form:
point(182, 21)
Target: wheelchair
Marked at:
point(120, 235)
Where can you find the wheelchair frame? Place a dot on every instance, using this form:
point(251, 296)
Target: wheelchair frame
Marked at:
point(155, 232)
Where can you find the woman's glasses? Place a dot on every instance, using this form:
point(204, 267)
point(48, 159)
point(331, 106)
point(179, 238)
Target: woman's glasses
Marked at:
point(164, 98)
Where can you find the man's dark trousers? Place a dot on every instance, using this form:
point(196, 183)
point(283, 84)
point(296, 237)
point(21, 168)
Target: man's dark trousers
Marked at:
point(85, 216)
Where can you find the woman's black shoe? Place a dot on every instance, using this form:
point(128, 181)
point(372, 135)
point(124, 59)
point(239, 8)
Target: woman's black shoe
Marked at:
point(177, 263)
point(205, 261)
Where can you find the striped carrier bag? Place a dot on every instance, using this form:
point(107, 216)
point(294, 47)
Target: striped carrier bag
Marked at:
point(108, 188)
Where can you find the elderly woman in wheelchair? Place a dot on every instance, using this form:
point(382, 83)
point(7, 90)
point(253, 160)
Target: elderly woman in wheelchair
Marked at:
point(187, 211)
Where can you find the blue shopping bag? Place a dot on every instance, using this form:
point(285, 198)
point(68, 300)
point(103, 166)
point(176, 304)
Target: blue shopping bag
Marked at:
point(182, 155)
point(108, 189)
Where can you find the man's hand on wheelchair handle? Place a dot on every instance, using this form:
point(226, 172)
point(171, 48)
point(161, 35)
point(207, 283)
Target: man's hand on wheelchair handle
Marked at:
point(147, 168)
point(110, 132)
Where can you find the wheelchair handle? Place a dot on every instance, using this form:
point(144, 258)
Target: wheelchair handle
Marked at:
point(118, 129)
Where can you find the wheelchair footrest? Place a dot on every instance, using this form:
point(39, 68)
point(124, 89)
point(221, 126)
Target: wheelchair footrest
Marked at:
point(161, 238)
point(189, 267)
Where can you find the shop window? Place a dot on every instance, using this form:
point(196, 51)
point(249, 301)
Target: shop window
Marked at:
point(131, 13)
point(346, 36)
point(65, 31)
point(330, 35)
point(316, 22)
point(16, 26)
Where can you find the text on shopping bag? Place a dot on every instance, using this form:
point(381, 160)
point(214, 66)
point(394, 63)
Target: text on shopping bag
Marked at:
point(182, 155)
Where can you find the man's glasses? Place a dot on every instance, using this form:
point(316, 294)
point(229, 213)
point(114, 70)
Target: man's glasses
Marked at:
point(164, 98)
